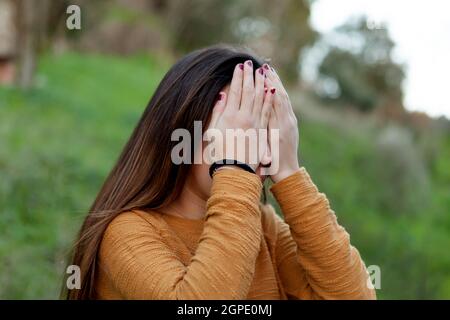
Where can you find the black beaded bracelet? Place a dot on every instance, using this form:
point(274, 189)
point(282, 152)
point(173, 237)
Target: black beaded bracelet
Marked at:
point(228, 162)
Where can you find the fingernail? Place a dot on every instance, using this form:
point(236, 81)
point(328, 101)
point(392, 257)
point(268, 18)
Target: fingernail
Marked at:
point(265, 90)
point(261, 71)
point(250, 63)
point(272, 91)
point(241, 66)
point(220, 96)
point(266, 66)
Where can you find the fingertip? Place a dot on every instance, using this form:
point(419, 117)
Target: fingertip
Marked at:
point(220, 97)
point(270, 92)
point(259, 78)
point(238, 71)
point(238, 74)
point(268, 95)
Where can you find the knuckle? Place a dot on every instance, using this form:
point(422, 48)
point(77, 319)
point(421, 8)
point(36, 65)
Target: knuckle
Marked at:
point(249, 98)
point(257, 105)
point(252, 96)
point(235, 91)
point(247, 121)
point(275, 100)
point(226, 117)
point(248, 86)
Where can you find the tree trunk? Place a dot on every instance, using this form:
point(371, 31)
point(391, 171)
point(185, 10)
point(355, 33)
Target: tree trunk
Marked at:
point(28, 34)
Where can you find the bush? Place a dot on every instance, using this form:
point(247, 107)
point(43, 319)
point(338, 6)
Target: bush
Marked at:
point(402, 173)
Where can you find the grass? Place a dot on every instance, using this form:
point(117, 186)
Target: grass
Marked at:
point(59, 141)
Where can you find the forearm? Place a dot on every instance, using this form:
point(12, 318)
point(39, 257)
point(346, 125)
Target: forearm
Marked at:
point(231, 239)
point(333, 267)
point(139, 263)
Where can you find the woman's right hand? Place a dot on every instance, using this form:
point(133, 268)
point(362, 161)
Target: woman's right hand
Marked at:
point(247, 106)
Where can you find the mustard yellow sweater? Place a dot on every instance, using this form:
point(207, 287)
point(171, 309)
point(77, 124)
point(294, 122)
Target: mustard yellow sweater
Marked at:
point(241, 250)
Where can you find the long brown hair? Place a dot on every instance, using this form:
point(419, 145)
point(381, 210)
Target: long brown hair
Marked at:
point(144, 175)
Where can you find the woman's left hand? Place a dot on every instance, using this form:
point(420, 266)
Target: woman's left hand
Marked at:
point(283, 118)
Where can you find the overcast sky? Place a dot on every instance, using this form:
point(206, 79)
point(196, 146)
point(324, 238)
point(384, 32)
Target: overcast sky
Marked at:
point(421, 30)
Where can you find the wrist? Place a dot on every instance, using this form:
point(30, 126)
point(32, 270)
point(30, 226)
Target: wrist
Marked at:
point(229, 163)
point(229, 167)
point(253, 166)
point(284, 173)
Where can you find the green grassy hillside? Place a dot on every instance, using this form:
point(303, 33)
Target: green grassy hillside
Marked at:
point(59, 140)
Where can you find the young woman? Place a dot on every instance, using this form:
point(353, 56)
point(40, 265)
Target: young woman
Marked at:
point(158, 230)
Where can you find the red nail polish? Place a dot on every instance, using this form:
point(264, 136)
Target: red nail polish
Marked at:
point(220, 96)
point(261, 71)
point(241, 66)
point(265, 90)
point(250, 63)
point(272, 91)
point(266, 66)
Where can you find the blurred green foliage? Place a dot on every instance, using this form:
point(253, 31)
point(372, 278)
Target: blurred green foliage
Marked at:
point(59, 141)
point(262, 25)
point(360, 62)
point(377, 205)
point(178, 27)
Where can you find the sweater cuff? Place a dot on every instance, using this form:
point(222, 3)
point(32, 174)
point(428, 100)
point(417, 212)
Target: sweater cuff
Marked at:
point(291, 189)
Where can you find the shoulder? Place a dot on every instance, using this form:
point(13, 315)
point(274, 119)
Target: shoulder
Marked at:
point(133, 218)
point(127, 244)
point(131, 225)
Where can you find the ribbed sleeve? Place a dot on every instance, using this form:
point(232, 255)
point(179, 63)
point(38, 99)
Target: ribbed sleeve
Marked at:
point(138, 263)
point(315, 257)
